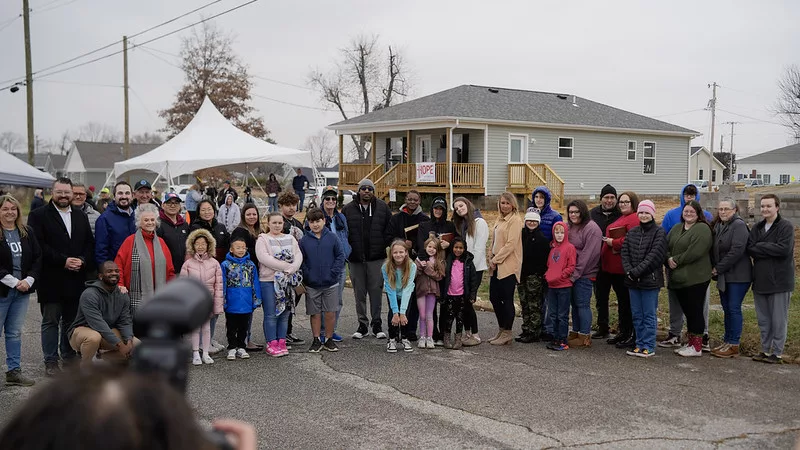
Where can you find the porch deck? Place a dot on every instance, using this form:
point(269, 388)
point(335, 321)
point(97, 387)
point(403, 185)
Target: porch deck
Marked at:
point(467, 178)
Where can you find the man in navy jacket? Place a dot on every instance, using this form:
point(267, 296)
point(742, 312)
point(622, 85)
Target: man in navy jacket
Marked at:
point(115, 224)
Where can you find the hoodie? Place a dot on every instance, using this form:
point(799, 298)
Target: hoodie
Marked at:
point(549, 217)
point(587, 239)
point(405, 218)
point(438, 226)
point(561, 261)
point(229, 216)
point(174, 234)
point(323, 259)
point(673, 216)
point(102, 311)
point(240, 286)
point(111, 230)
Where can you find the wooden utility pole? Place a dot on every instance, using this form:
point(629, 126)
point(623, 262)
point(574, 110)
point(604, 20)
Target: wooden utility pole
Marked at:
point(127, 143)
point(26, 18)
point(713, 105)
point(730, 158)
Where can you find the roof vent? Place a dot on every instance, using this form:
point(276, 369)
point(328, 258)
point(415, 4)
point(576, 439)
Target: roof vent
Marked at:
point(494, 90)
point(561, 96)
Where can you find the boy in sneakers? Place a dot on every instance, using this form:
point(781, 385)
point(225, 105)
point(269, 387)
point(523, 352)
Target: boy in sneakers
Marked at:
point(242, 295)
point(323, 264)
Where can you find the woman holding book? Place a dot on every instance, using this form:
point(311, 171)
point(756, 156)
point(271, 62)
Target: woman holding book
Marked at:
point(611, 262)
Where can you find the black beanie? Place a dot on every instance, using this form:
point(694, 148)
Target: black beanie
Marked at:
point(608, 189)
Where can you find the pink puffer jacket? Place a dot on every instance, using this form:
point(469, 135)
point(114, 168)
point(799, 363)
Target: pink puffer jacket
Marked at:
point(204, 268)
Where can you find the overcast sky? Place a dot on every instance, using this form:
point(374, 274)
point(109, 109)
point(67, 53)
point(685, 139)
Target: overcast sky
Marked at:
point(650, 58)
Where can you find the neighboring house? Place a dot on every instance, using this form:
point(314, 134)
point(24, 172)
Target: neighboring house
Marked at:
point(698, 166)
point(779, 166)
point(331, 175)
point(510, 139)
point(46, 162)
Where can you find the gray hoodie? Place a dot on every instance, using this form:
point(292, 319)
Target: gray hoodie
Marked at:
point(101, 311)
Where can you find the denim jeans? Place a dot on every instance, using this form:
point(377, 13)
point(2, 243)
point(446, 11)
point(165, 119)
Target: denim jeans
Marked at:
point(547, 322)
point(582, 305)
point(274, 325)
point(273, 203)
point(644, 303)
point(302, 194)
point(12, 317)
point(731, 301)
point(56, 319)
point(558, 300)
point(338, 311)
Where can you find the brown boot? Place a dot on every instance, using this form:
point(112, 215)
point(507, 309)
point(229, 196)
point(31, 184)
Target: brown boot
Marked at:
point(470, 341)
point(726, 351)
point(580, 340)
point(457, 342)
point(572, 335)
point(504, 339)
point(447, 342)
point(496, 336)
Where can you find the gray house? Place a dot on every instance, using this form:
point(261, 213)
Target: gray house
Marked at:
point(508, 139)
point(51, 163)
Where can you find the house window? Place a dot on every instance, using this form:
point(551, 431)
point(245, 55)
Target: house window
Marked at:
point(649, 158)
point(631, 150)
point(700, 174)
point(785, 179)
point(565, 147)
point(517, 149)
point(766, 178)
point(424, 152)
point(713, 176)
point(397, 148)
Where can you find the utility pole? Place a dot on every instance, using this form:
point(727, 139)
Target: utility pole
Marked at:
point(26, 18)
point(127, 143)
point(712, 104)
point(730, 158)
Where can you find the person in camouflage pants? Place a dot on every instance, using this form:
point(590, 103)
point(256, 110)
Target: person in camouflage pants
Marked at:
point(531, 298)
point(535, 248)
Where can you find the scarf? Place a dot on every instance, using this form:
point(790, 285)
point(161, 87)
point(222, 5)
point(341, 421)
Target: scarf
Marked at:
point(285, 283)
point(142, 287)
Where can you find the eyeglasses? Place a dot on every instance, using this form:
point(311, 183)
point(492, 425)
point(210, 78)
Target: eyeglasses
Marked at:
point(724, 209)
point(574, 213)
point(172, 203)
point(62, 192)
point(624, 202)
point(366, 188)
point(79, 194)
point(329, 199)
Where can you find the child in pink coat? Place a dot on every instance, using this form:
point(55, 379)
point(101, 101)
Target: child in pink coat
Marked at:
point(201, 265)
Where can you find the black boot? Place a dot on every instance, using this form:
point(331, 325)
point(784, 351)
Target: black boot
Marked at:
point(601, 333)
point(619, 337)
point(527, 338)
point(630, 342)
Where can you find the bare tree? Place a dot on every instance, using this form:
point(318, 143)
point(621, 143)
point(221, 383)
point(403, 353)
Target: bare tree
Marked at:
point(10, 141)
point(147, 138)
point(788, 105)
point(98, 132)
point(323, 149)
point(64, 143)
point(212, 69)
point(365, 79)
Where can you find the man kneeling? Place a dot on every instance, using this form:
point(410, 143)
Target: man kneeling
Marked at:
point(104, 319)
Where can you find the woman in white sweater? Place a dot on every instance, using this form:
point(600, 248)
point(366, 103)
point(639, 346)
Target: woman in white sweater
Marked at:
point(472, 227)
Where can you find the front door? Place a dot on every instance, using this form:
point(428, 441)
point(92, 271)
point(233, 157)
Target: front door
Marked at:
point(424, 151)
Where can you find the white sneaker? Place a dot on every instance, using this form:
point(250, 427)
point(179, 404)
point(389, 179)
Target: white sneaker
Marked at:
point(391, 346)
point(429, 342)
point(358, 335)
point(231, 355)
point(439, 343)
point(677, 351)
point(421, 342)
point(380, 335)
point(207, 359)
point(689, 350)
point(196, 360)
point(216, 347)
point(407, 345)
point(242, 353)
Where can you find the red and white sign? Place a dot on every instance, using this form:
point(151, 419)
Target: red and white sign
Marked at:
point(426, 172)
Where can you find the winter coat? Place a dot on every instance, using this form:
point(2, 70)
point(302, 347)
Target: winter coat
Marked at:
point(204, 268)
point(773, 257)
point(438, 227)
point(220, 235)
point(267, 246)
point(471, 279)
point(548, 216)
point(174, 234)
point(31, 263)
point(691, 250)
point(91, 214)
point(193, 197)
point(506, 252)
point(368, 236)
point(125, 254)
point(323, 259)
point(403, 292)
point(643, 253)
point(273, 187)
point(587, 239)
point(605, 217)
point(477, 244)
point(103, 311)
point(673, 216)
point(561, 261)
point(110, 231)
point(611, 257)
point(535, 249)
point(240, 285)
point(403, 219)
point(229, 216)
point(250, 241)
point(338, 224)
point(223, 194)
point(428, 277)
point(729, 253)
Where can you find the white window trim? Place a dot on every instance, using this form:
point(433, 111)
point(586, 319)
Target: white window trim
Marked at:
point(654, 157)
point(420, 138)
point(558, 148)
point(700, 173)
point(628, 151)
point(523, 148)
point(788, 178)
point(391, 149)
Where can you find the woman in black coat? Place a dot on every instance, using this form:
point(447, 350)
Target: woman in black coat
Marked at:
point(207, 220)
point(20, 266)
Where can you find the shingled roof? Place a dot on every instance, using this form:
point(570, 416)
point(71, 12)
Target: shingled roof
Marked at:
point(484, 103)
point(788, 154)
point(103, 155)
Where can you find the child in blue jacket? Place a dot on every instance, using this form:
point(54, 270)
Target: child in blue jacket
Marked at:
point(242, 295)
point(398, 281)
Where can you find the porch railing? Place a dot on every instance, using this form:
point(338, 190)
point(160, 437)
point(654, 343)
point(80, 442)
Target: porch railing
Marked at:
point(405, 176)
point(353, 173)
point(528, 176)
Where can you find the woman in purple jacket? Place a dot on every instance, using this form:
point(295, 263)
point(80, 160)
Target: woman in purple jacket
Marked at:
point(587, 238)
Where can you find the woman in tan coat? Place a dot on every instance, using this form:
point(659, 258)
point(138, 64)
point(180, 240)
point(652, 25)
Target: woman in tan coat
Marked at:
point(505, 264)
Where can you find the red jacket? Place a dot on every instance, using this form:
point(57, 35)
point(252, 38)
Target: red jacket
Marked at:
point(561, 261)
point(125, 253)
point(611, 258)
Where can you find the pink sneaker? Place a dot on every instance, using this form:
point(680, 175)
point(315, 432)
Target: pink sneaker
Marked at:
point(273, 349)
point(282, 347)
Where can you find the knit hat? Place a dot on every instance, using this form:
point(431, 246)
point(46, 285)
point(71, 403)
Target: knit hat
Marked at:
point(533, 215)
point(366, 182)
point(648, 207)
point(608, 189)
point(439, 202)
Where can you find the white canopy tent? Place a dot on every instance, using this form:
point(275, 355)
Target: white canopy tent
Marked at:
point(15, 172)
point(210, 140)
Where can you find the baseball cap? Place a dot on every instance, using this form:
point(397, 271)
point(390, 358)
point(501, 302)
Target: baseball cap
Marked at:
point(172, 196)
point(142, 184)
point(330, 190)
point(104, 191)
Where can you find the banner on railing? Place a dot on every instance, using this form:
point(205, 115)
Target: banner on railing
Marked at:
point(426, 172)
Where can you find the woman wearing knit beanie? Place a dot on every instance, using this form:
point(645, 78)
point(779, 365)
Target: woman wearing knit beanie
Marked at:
point(643, 253)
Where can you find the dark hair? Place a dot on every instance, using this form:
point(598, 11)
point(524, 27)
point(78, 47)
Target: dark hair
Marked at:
point(205, 200)
point(243, 223)
point(469, 221)
point(238, 239)
point(772, 196)
point(459, 239)
point(634, 199)
point(62, 180)
point(583, 209)
point(288, 198)
point(103, 409)
point(118, 184)
point(315, 214)
point(690, 190)
point(701, 217)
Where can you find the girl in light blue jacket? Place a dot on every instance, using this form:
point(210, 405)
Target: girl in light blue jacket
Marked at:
point(398, 282)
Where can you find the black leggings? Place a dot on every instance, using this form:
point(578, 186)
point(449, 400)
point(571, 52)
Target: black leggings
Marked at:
point(692, 299)
point(470, 318)
point(501, 294)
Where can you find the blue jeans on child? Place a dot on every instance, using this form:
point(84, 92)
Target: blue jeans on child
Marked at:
point(275, 325)
point(582, 305)
point(12, 316)
point(558, 300)
point(644, 303)
point(731, 301)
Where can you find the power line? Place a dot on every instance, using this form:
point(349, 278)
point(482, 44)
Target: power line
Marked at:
point(751, 118)
point(9, 22)
point(283, 83)
point(147, 50)
point(678, 113)
point(81, 84)
point(37, 11)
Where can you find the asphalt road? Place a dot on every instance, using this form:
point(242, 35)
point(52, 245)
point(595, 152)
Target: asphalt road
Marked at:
point(518, 396)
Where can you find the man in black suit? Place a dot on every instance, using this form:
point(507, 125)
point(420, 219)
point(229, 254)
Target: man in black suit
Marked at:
point(65, 236)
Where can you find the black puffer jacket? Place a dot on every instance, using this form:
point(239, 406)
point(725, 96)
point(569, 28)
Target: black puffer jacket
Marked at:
point(174, 235)
point(643, 253)
point(471, 279)
point(535, 249)
point(368, 235)
point(773, 257)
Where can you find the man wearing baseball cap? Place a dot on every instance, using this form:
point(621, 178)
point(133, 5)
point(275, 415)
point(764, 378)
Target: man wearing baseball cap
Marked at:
point(143, 193)
point(173, 229)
